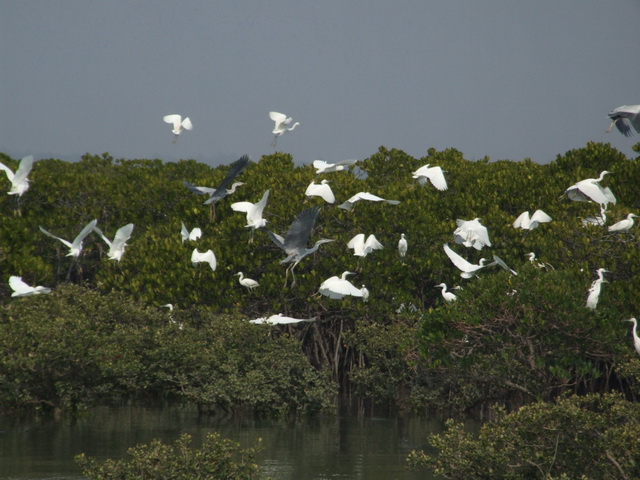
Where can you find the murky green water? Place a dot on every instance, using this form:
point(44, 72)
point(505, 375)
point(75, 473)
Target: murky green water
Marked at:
point(342, 447)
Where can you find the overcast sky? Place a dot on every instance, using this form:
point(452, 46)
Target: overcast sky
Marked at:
point(508, 79)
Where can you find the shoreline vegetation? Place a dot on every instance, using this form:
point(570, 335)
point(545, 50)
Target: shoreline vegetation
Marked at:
point(524, 346)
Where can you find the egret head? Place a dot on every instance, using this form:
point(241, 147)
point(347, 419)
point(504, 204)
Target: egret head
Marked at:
point(345, 273)
point(441, 285)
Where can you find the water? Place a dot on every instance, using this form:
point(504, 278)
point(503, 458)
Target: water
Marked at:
point(342, 447)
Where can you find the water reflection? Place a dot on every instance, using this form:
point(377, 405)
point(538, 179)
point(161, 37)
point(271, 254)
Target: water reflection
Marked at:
point(342, 447)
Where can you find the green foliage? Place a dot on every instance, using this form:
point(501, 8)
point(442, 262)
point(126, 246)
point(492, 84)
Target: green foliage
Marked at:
point(217, 459)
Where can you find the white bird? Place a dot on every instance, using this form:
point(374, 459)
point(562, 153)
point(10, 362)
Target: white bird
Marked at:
point(19, 180)
point(448, 296)
point(281, 122)
point(75, 247)
point(348, 205)
point(339, 287)
point(402, 245)
point(323, 166)
point(117, 246)
point(532, 258)
point(468, 269)
point(21, 289)
point(321, 189)
point(246, 282)
point(192, 235)
point(365, 294)
point(529, 223)
point(253, 211)
point(179, 125)
point(207, 257)
point(623, 225)
point(625, 117)
point(280, 319)
point(594, 290)
point(589, 189)
point(471, 233)
point(634, 331)
point(169, 306)
point(362, 247)
point(500, 263)
point(597, 220)
point(434, 174)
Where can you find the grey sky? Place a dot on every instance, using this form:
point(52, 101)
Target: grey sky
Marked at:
point(508, 79)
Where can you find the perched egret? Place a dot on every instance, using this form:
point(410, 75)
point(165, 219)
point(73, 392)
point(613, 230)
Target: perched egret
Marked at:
point(207, 257)
point(192, 235)
point(19, 180)
point(623, 225)
point(625, 117)
point(448, 296)
point(322, 166)
point(339, 287)
point(75, 247)
point(253, 211)
point(179, 125)
point(500, 263)
point(589, 189)
point(402, 245)
point(466, 268)
point(246, 282)
point(281, 125)
point(365, 294)
point(529, 223)
point(434, 174)
point(280, 319)
point(321, 189)
point(471, 233)
point(362, 247)
point(21, 289)
point(294, 243)
point(594, 290)
point(348, 205)
point(117, 246)
point(597, 220)
point(634, 332)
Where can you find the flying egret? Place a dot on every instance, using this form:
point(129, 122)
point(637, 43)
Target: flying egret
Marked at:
point(322, 166)
point(280, 319)
point(75, 247)
point(623, 225)
point(625, 117)
point(192, 235)
point(529, 223)
point(402, 245)
point(21, 289)
point(448, 296)
point(594, 290)
point(207, 257)
point(321, 189)
point(281, 122)
point(179, 125)
point(246, 282)
point(362, 247)
point(501, 263)
point(589, 189)
point(467, 268)
point(117, 246)
point(471, 233)
point(434, 174)
point(294, 243)
point(339, 287)
point(348, 205)
point(253, 211)
point(19, 180)
point(634, 332)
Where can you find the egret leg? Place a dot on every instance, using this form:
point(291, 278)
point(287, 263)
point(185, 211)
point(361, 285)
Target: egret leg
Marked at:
point(275, 141)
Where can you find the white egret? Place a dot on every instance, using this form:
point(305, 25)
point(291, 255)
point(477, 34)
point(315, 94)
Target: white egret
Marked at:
point(253, 211)
point(169, 306)
point(471, 233)
point(117, 246)
point(532, 258)
point(348, 205)
point(246, 282)
point(529, 223)
point(75, 247)
point(434, 174)
point(21, 289)
point(589, 189)
point(501, 263)
point(19, 180)
point(339, 287)
point(634, 332)
point(402, 245)
point(179, 125)
point(322, 166)
point(448, 296)
point(594, 290)
point(294, 243)
point(321, 189)
point(280, 319)
point(468, 269)
point(207, 257)
point(625, 117)
point(597, 220)
point(192, 235)
point(623, 225)
point(362, 247)
point(281, 125)
point(365, 294)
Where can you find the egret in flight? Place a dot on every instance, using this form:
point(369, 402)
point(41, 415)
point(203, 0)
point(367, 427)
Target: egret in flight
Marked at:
point(594, 290)
point(466, 268)
point(529, 223)
point(362, 247)
point(179, 125)
point(253, 211)
point(448, 296)
point(281, 125)
point(434, 174)
point(192, 235)
point(623, 225)
point(75, 247)
point(321, 189)
point(280, 319)
point(21, 289)
point(348, 205)
point(117, 246)
point(402, 246)
point(206, 257)
point(501, 263)
point(339, 287)
point(471, 233)
point(589, 189)
point(322, 166)
point(246, 282)
point(625, 117)
point(634, 332)
point(19, 180)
